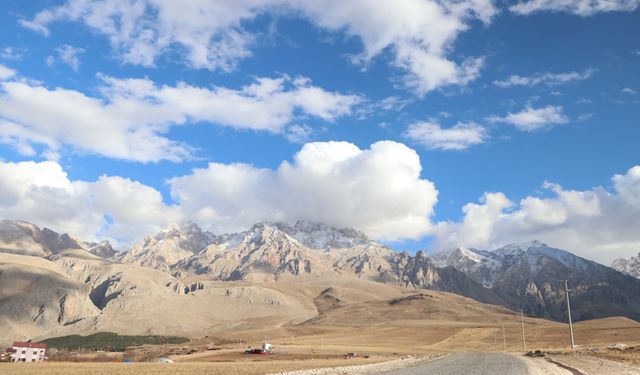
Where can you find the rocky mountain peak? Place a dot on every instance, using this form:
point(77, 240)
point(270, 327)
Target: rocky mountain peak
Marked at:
point(629, 266)
point(321, 236)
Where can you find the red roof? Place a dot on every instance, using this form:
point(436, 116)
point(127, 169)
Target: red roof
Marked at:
point(10, 350)
point(19, 344)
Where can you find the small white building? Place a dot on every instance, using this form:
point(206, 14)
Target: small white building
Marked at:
point(28, 352)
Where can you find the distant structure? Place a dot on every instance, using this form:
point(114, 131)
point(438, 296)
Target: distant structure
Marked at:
point(27, 352)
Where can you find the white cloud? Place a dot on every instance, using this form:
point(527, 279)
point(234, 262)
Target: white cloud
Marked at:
point(129, 121)
point(42, 193)
point(6, 73)
point(533, 119)
point(378, 190)
point(299, 133)
point(596, 223)
point(67, 55)
point(629, 90)
point(419, 33)
point(549, 79)
point(578, 7)
point(458, 137)
point(12, 53)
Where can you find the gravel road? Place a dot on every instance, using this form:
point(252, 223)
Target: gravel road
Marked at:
point(481, 364)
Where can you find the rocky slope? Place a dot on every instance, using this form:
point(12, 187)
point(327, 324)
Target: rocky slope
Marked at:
point(629, 266)
point(270, 275)
point(165, 249)
point(21, 237)
point(531, 277)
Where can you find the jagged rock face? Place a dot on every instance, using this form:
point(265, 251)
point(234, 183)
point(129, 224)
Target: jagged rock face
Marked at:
point(629, 266)
point(322, 237)
point(165, 249)
point(531, 277)
point(262, 251)
point(480, 265)
point(56, 242)
point(19, 237)
point(102, 249)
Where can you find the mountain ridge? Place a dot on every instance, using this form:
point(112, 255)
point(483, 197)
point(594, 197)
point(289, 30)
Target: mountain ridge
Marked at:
point(186, 259)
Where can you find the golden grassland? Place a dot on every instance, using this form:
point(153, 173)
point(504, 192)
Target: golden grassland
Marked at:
point(433, 323)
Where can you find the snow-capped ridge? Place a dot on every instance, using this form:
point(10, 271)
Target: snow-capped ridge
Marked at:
point(629, 266)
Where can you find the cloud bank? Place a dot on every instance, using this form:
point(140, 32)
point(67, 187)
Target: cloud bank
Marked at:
point(378, 190)
point(596, 223)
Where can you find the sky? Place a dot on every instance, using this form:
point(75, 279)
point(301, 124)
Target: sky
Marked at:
point(426, 124)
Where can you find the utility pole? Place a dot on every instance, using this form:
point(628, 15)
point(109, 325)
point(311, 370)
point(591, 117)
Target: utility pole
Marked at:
point(363, 346)
point(524, 340)
point(566, 288)
point(495, 339)
point(504, 339)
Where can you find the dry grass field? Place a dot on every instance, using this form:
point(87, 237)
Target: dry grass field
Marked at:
point(183, 368)
point(413, 324)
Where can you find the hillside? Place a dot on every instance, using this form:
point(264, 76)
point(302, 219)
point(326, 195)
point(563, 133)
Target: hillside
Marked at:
point(185, 281)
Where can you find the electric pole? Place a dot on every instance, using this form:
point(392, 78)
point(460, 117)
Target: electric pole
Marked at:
point(566, 288)
point(504, 339)
point(524, 340)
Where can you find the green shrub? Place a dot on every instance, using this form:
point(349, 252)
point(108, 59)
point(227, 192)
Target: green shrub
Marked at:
point(109, 341)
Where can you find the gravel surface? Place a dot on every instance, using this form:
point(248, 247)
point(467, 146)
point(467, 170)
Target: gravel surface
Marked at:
point(593, 365)
point(373, 368)
point(483, 364)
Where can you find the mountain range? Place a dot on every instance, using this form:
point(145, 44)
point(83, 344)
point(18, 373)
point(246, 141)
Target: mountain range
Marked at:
point(187, 280)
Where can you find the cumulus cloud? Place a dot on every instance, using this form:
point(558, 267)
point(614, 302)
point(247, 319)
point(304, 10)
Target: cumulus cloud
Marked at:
point(115, 208)
point(419, 33)
point(377, 190)
point(549, 79)
point(67, 55)
point(459, 137)
point(629, 90)
point(532, 119)
point(596, 223)
point(131, 117)
point(577, 7)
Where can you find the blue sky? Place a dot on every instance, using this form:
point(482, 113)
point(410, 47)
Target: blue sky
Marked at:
point(494, 97)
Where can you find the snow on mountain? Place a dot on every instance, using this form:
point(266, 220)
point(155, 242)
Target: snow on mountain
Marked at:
point(629, 266)
point(322, 237)
point(480, 265)
point(531, 276)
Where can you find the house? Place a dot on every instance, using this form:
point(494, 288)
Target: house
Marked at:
point(28, 352)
